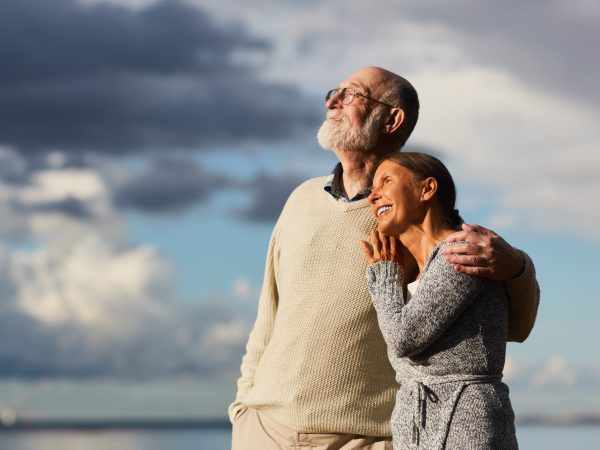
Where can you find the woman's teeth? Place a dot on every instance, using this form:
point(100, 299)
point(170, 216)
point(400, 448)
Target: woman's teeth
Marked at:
point(383, 209)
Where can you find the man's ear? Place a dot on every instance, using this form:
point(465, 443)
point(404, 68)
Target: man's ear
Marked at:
point(428, 188)
point(394, 120)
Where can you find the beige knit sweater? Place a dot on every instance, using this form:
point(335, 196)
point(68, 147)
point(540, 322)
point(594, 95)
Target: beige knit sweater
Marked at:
point(316, 360)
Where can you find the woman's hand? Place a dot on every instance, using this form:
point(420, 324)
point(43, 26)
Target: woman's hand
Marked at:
point(382, 248)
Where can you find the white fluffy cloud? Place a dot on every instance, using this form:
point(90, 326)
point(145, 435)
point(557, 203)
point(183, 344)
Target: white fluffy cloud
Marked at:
point(533, 153)
point(77, 299)
point(555, 371)
point(243, 289)
point(91, 283)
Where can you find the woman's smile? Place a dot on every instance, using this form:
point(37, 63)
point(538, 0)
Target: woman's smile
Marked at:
point(383, 209)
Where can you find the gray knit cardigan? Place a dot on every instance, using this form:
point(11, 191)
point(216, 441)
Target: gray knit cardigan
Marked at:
point(447, 345)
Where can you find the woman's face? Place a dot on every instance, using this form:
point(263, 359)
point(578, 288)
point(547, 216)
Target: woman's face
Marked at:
point(395, 199)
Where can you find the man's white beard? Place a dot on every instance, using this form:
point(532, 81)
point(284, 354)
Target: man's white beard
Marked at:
point(341, 136)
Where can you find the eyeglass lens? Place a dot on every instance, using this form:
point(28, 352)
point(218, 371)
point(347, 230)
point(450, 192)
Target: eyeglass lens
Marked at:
point(344, 95)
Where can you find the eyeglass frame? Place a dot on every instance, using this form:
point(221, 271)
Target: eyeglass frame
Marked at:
point(341, 92)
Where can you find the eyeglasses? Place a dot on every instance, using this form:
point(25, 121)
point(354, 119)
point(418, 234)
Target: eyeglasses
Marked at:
point(347, 95)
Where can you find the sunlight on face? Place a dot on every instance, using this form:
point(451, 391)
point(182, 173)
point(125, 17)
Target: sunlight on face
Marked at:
point(395, 199)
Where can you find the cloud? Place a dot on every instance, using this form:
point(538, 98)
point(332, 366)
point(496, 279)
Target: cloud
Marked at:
point(243, 289)
point(41, 202)
point(173, 185)
point(269, 195)
point(545, 43)
point(69, 206)
point(541, 41)
point(141, 338)
point(79, 300)
point(36, 193)
point(170, 185)
point(511, 368)
point(111, 79)
point(510, 153)
point(555, 371)
point(508, 92)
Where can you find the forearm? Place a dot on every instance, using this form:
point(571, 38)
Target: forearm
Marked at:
point(523, 300)
point(384, 281)
point(442, 296)
point(409, 328)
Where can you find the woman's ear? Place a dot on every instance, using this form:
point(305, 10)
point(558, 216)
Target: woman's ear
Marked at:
point(428, 188)
point(394, 120)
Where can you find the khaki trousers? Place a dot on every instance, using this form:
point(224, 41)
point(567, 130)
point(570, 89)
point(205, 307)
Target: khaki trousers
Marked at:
point(254, 430)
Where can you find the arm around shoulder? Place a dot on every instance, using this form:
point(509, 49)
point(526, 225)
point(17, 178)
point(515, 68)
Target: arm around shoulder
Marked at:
point(523, 301)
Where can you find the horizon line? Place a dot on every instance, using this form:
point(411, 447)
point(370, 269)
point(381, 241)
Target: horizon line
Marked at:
point(30, 424)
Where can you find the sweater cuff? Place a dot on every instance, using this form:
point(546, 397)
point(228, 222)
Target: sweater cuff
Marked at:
point(234, 409)
point(385, 271)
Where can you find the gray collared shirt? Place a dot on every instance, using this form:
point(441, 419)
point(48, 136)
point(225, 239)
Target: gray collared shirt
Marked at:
point(333, 185)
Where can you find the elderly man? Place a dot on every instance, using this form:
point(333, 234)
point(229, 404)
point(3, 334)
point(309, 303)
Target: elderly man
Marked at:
point(316, 373)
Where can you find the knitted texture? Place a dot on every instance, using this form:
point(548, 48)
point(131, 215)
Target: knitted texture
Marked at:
point(316, 360)
point(447, 345)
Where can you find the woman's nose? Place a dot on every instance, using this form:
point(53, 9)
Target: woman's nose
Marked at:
point(373, 196)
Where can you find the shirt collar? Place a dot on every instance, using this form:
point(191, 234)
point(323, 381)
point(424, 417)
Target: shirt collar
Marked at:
point(333, 185)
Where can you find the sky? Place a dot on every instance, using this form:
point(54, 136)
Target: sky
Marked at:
point(147, 147)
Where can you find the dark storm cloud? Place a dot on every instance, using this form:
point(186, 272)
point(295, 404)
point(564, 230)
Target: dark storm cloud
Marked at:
point(171, 185)
point(69, 206)
point(13, 170)
point(174, 185)
point(269, 195)
point(105, 78)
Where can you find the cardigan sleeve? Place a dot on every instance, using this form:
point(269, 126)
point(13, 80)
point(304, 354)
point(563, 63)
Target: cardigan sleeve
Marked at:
point(262, 330)
point(443, 294)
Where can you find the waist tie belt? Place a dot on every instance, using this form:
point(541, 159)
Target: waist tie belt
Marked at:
point(418, 388)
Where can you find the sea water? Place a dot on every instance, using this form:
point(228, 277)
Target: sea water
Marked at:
point(530, 438)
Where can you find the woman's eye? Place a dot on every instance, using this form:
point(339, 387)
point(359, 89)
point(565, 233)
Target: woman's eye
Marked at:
point(387, 180)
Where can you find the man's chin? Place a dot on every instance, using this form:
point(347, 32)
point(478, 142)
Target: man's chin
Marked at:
point(324, 138)
point(330, 138)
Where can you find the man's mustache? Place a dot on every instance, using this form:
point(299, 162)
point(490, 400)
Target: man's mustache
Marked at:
point(337, 116)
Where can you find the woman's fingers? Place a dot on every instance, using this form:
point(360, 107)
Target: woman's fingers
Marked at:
point(385, 246)
point(367, 250)
point(393, 248)
point(382, 248)
point(376, 245)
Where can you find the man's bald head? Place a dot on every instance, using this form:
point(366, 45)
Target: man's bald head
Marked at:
point(394, 90)
point(379, 122)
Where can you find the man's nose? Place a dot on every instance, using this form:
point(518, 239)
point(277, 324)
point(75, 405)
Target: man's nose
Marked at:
point(333, 102)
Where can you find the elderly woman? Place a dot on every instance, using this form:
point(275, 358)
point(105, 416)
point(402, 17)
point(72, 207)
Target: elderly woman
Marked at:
point(446, 335)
